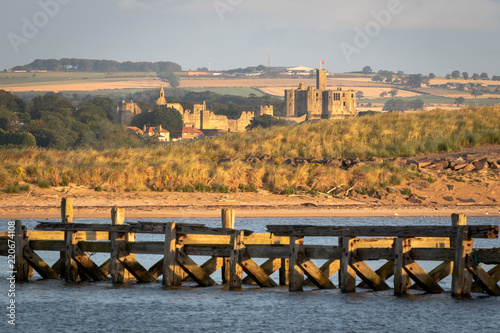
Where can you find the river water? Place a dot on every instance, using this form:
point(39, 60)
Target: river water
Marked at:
point(55, 306)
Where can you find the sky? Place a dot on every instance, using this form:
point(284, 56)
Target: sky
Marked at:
point(415, 36)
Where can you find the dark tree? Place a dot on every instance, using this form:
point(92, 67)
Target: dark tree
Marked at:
point(455, 74)
point(432, 75)
point(459, 101)
point(484, 76)
point(465, 75)
point(367, 70)
point(169, 118)
point(266, 121)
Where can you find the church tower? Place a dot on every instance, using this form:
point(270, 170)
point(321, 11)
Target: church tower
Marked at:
point(161, 100)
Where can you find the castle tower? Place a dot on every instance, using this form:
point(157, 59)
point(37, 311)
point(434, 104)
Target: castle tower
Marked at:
point(321, 79)
point(161, 100)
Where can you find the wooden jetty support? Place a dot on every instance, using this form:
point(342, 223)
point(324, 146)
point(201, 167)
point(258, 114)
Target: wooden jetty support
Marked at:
point(233, 251)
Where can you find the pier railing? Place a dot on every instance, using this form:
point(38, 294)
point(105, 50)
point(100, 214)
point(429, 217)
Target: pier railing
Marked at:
point(232, 251)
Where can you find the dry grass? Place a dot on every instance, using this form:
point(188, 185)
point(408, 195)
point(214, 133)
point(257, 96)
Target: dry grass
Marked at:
point(218, 164)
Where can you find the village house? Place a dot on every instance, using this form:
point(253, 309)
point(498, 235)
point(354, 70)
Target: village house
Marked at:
point(188, 133)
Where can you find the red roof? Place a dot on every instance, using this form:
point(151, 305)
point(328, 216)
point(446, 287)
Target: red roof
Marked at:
point(190, 130)
point(135, 129)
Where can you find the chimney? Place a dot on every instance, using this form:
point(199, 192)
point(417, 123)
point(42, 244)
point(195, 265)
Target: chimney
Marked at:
point(145, 128)
point(159, 128)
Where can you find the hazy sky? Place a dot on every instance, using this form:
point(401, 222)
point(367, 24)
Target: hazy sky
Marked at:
point(416, 36)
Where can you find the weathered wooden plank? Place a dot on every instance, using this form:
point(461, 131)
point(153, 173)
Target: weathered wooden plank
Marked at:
point(194, 271)
point(256, 272)
point(170, 276)
point(439, 254)
point(235, 269)
point(210, 266)
point(316, 276)
point(483, 279)
point(440, 272)
point(488, 256)
point(21, 265)
point(148, 228)
point(58, 266)
point(369, 277)
point(227, 218)
point(266, 239)
point(424, 280)
point(461, 284)
point(104, 267)
point(402, 248)
point(284, 271)
point(477, 231)
point(269, 267)
point(157, 269)
point(96, 246)
point(191, 239)
point(136, 269)
point(347, 273)
point(384, 272)
point(88, 266)
point(329, 268)
point(70, 266)
point(118, 247)
point(59, 235)
point(39, 265)
point(296, 274)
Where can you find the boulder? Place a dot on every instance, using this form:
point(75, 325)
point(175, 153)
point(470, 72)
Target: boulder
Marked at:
point(448, 198)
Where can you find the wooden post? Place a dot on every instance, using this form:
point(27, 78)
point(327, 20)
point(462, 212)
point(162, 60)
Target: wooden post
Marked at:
point(118, 246)
point(21, 266)
point(284, 271)
point(461, 284)
point(296, 274)
point(170, 267)
point(70, 266)
point(236, 270)
point(129, 237)
point(347, 273)
point(228, 223)
point(402, 248)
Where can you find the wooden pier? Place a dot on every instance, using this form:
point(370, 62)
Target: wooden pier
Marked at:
point(233, 251)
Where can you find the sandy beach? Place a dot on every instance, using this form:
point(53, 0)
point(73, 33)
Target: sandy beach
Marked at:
point(45, 203)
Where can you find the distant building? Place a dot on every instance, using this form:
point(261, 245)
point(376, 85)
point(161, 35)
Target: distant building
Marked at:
point(319, 102)
point(161, 101)
point(300, 70)
point(162, 134)
point(126, 111)
point(187, 133)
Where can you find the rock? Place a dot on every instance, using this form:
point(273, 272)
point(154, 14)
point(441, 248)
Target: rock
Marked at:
point(469, 167)
point(447, 198)
point(355, 161)
point(334, 163)
point(393, 190)
point(318, 161)
point(414, 199)
point(423, 164)
point(420, 184)
point(376, 160)
point(290, 161)
point(466, 200)
point(492, 199)
point(494, 165)
point(458, 167)
point(450, 187)
point(481, 164)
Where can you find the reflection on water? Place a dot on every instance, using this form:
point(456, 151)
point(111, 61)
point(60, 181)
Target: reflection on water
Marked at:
point(54, 306)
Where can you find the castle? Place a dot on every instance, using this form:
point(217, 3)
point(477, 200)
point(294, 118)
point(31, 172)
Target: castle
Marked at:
point(300, 104)
point(320, 102)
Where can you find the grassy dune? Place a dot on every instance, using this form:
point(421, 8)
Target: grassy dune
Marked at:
point(221, 164)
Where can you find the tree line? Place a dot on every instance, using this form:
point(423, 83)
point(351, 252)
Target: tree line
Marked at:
point(101, 66)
